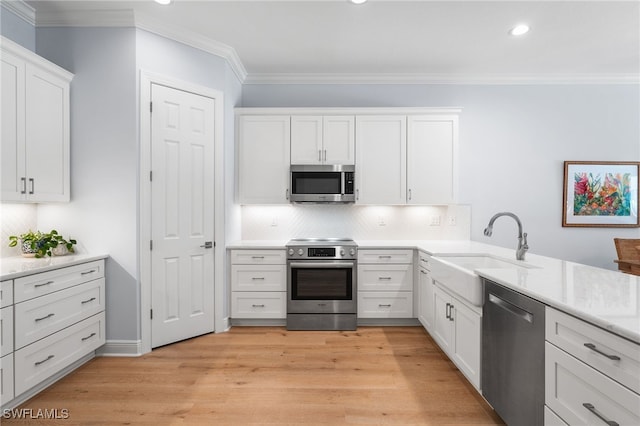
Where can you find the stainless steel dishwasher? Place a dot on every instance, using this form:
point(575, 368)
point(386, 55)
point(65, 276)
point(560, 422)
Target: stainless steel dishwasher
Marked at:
point(513, 355)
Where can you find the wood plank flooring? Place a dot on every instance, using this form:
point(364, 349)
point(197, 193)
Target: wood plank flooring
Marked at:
point(268, 375)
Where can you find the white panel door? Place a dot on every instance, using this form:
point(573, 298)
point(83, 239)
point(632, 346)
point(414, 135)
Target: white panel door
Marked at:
point(381, 160)
point(431, 171)
point(182, 223)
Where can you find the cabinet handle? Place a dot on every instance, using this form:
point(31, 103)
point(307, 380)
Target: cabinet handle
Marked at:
point(258, 306)
point(446, 311)
point(357, 194)
point(409, 194)
point(325, 155)
point(257, 278)
point(44, 360)
point(33, 186)
point(43, 284)
point(24, 185)
point(88, 272)
point(257, 257)
point(384, 257)
point(422, 271)
point(88, 300)
point(319, 155)
point(286, 194)
point(384, 278)
point(384, 306)
point(44, 318)
point(593, 348)
point(591, 408)
point(88, 337)
point(451, 308)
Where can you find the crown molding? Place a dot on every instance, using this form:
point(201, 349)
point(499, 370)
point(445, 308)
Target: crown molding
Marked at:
point(426, 78)
point(127, 18)
point(20, 9)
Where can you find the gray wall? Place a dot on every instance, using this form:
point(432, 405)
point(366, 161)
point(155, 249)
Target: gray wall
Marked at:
point(103, 212)
point(513, 141)
point(17, 29)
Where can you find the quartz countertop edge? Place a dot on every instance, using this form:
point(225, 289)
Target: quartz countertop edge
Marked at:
point(17, 267)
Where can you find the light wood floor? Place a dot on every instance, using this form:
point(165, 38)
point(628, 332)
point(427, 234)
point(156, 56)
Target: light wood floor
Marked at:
point(268, 375)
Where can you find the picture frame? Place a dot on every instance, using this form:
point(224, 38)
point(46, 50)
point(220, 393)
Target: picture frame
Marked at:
point(600, 194)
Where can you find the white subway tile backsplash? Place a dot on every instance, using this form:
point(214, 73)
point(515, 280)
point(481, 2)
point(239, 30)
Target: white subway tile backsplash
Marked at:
point(358, 222)
point(16, 219)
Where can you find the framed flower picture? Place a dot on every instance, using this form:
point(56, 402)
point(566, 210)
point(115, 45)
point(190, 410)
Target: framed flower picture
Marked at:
point(600, 194)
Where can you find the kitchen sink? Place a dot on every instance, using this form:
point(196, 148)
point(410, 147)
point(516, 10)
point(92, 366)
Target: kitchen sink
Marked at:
point(457, 272)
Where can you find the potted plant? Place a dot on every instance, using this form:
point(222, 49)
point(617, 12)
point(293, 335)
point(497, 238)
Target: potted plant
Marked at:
point(39, 244)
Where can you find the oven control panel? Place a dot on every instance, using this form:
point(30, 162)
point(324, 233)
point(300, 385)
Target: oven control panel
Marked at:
point(322, 253)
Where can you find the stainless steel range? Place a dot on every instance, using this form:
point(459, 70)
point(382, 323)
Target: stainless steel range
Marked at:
point(321, 284)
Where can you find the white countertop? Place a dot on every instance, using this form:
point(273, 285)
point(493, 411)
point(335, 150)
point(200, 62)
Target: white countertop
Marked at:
point(16, 267)
point(606, 298)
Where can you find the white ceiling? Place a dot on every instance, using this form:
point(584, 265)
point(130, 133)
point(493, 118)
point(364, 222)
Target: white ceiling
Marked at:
point(394, 40)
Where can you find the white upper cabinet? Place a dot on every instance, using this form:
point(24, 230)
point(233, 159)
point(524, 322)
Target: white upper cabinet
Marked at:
point(35, 127)
point(263, 159)
point(319, 139)
point(381, 160)
point(432, 143)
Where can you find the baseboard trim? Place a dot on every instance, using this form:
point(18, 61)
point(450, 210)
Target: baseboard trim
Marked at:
point(125, 348)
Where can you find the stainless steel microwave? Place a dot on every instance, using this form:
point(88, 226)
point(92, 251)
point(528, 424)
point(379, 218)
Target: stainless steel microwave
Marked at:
point(322, 183)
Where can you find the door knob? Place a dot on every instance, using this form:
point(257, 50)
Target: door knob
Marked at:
point(207, 245)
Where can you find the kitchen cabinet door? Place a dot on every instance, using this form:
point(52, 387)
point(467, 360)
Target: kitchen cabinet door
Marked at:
point(442, 328)
point(322, 139)
point(35, 127)
point(264, 159)
point(432, 143)
point(426, 300)
point(306, 139)
point(381, 159)
point(466, 341)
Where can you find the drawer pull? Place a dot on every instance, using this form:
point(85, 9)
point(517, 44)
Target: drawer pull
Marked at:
point(388, 305)
point(43, 284)
point(44, 318)
point(88, 337)
point(384, 278)
point(44, 360)
point(88, 300)
point(258, 306)
point(593, 348)
point(384, 257)
point(257, 257)
point(88, 272)
point(422, 271)
point(257, 278)
point(591, 408)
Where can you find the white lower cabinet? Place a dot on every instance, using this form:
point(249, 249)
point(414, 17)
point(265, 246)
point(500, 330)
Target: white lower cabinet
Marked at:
point(552, 419)
point(457, 328)
point(385, 283)
point(53, 319)
point(425, 292)
point(592, 376)
point(258, 284)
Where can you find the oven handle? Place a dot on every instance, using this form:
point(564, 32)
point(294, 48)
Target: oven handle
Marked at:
point(322, 265)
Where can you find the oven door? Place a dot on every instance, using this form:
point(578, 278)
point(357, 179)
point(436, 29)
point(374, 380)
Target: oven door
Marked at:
point(321, 287)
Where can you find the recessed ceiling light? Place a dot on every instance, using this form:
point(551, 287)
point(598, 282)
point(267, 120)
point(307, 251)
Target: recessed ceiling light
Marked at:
point(357, 1)
point(165, 2)
point(519, 30)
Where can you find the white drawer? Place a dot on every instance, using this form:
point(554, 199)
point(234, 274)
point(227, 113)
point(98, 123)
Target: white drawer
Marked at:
point(552, 419)
point(385, 304)
point(6, 293)
point(258, 304)
point(45, 315)
point(375, 277)
point(6, 330)
point(6, 379)
point(571, 387)
point(26, 288)
point(258, 257)
point(44, 358)
point(424, 260)
point(385, 256)
point(258, 278)
point(572, 334)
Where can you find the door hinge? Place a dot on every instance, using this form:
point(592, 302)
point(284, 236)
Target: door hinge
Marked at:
point(150, 244)
point(151, 313)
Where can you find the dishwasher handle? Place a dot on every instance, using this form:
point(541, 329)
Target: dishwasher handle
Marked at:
point(511, 308)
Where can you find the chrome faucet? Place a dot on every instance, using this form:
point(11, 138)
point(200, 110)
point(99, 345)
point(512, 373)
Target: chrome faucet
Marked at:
point(522, 237)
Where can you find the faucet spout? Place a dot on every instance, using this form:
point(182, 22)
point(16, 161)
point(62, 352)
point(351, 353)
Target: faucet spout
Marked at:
point(523, 246)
